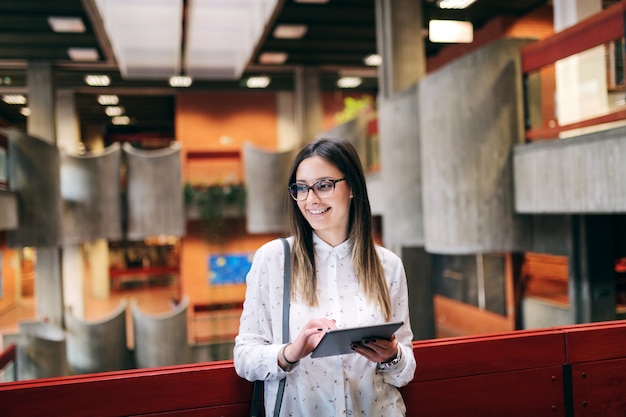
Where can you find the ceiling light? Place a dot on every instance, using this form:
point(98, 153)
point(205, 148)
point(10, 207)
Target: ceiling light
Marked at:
point(120, 120)
point(180, 81)
point(14, 99)
point(275, 58)
point(290, 31)
point(66, 24)
point(83, 54)
point(97, 80)
point(373, 60)
point(349, 82)
point(108, 99)
point(113, 111)
point(450, 31)
point(258, 82)
point(312, 1)
point(25, 111)
point(454, 4)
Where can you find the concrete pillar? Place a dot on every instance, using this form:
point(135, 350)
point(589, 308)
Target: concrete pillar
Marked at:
point(581, 87)
point(41, 101)
point(309, 115)
point(41, 124)
point(97, 260)
point(400, 40)
point(68, 140)
point(289, 135)
point(591, 273)
point(67, 123)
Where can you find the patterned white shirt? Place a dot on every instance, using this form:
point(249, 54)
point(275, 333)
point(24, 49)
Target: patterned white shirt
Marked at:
point(343, 385)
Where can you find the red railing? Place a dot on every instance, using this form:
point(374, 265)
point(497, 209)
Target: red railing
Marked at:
point(7, 357)
point(556, 372)
point(599, 29)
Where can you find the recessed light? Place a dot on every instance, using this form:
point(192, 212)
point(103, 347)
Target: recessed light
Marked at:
point(83, 54)
point(25, 111)
point(113, 111)
point(349, 82)
point(312, 1)
point(373, 60)
point(180, 81)
point(284, 31)
point(14, 99)
point(258, 82)
point(97, 80)
point(108, 99)
point(120, 120)
point(275, 58)
point(454, 4)
point(450, 31)
point(66, 24)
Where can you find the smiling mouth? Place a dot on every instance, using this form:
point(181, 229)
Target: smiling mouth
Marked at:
point(319, 211)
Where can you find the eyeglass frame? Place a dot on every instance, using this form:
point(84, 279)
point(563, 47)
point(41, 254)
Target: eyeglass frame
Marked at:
point(312, 187)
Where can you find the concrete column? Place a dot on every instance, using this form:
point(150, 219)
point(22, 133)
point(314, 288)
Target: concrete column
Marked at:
point(41, 124)
point(68, 140)
point(41, 101)
point(288, 132)
point(591, 273)
point(400, 39)
point(581, 87)
point(67, 123)
point(97, 259)
point(308, 106)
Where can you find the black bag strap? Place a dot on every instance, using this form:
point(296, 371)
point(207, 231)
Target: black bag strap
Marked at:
point(258, 385)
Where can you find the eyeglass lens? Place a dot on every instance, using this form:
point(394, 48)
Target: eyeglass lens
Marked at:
point(323, 188)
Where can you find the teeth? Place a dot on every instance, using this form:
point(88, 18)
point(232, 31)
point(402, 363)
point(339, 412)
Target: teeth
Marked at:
point(318, 211)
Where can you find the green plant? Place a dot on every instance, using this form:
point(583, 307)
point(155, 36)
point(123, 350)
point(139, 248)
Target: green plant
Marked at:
point(212, 202)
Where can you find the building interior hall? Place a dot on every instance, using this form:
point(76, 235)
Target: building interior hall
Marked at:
point(145, 146)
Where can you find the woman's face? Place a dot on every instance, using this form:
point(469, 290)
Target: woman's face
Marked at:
point(327, 216)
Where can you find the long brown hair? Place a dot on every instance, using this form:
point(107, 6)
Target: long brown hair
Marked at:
point(368, 268)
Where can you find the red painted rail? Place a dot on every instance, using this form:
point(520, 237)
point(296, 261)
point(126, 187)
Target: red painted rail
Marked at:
point(547, 372)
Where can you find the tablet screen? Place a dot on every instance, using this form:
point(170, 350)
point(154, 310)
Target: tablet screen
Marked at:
point(338, 341)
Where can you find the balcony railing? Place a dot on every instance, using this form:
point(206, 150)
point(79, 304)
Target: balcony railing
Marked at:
point(538, 61)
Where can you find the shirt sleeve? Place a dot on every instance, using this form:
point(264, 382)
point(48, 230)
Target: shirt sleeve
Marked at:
point(258, 343)
point(403, 372)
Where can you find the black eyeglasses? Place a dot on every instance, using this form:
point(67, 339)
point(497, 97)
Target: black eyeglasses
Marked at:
point(322, 188)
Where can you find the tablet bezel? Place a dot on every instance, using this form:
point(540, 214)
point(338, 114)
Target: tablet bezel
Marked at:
point(338, 341)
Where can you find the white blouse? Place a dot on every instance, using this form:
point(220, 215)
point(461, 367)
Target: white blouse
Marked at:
point(343, 385)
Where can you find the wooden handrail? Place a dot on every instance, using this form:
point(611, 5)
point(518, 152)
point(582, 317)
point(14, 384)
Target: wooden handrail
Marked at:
point(530, 372)
point(601, 28)
point(598, 29)
point(7, 356)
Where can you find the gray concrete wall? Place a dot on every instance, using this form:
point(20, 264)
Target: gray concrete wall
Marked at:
point(34, 177)
point(8, 210)
point(90, 188)
point(98, 345)
point(155, 192)
point(41, 351)
point(161, 339)
point(266, 176)
point(470, 117)
point(401, 174)
point(585, 174)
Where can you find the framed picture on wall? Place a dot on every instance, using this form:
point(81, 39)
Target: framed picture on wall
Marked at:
point(229, 269)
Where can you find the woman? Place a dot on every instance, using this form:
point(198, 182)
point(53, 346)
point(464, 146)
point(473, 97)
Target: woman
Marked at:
point(340, 279)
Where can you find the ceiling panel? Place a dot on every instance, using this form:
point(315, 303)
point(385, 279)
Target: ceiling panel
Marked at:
point(340, 34)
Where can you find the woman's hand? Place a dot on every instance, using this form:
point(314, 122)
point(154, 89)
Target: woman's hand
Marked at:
point(307, 340)
point(377, 350)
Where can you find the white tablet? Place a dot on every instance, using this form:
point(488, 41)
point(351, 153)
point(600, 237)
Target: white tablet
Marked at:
point(338, 341)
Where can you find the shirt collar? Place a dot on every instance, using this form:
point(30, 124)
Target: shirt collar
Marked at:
point(324, 250)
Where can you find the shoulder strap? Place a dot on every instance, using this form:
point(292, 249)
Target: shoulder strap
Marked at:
point(286, 301)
